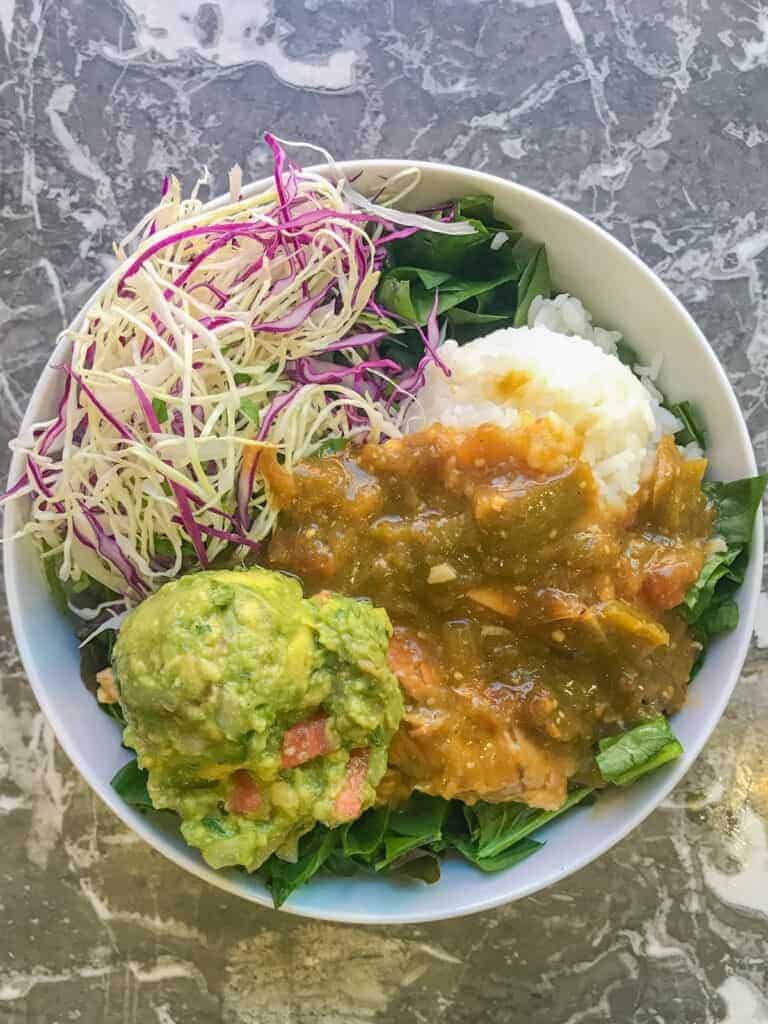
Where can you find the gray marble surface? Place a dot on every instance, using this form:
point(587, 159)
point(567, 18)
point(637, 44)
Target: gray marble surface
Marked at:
point(650, 116)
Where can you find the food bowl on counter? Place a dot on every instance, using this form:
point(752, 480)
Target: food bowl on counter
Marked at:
point(622, 295)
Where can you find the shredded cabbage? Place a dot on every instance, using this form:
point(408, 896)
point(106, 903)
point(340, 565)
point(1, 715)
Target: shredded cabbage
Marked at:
point(202, 349)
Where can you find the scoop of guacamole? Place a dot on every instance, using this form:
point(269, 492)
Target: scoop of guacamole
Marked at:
point(255, 711)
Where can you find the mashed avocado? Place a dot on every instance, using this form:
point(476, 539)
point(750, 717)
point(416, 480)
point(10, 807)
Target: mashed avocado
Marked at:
point(255, 711)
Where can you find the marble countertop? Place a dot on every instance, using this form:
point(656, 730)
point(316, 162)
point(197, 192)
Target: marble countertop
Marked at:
point(651, 117)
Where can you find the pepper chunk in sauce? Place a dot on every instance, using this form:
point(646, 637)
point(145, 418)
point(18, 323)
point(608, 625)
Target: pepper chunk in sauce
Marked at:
point(530, 618)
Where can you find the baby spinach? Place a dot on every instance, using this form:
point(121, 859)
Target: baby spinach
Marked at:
point(362, 838)
point(709, 606)
point(418, 823)
point(494, 828)
point(534, 280)
point(130, 782)
point(486, 278)
point(422, 865)
point(282, 877)
point(693, 427)
point(84, 592)
point(438, 252)
point(624, 758)
point(500, 861)
point(404, 291)
point(737, 503)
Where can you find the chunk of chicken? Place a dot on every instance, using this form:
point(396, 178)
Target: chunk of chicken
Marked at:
point(457, 741)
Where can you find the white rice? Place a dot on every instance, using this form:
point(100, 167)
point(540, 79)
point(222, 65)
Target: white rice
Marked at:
point(569, 377)
point(566, 314)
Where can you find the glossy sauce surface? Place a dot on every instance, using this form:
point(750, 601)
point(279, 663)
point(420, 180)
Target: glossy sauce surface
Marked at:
point(530, 619)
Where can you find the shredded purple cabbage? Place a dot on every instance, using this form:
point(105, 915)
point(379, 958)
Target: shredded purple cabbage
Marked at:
point(296, 317)
point(307, 371)
point(57, 427)
point(182, 500)
point(122, 430)
point(17, 488)
point(380, 379)
point(37, 476)
point(110, 550)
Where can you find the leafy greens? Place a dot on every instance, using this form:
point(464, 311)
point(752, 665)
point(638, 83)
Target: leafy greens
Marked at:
point(482, 281)
point(709, 606)
point(131, 784)
point(624, 758)
point(409, 840)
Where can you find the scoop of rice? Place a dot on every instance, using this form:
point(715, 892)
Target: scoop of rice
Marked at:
point(567, 315)
point(538, 371)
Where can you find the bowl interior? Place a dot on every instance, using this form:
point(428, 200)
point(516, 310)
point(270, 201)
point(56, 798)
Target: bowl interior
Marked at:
point(622, 294)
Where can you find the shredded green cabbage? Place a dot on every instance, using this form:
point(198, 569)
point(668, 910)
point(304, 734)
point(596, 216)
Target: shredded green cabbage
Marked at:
point(196, 330)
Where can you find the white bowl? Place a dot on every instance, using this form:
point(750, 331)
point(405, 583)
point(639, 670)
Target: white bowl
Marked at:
point(622, 293)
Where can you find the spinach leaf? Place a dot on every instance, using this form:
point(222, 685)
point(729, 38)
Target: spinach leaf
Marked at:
point(339, 864)
point(405, 291)
point(84, 592)
point(459, 315)
point(430, 279)
point(450, 253)
point(722, 616)
point(479, 207)
point(511, 856)
point(702, 595)
point(624, 758)
point(422, 865)
point(535, 280)
point(165, 549)
point(362, 838)
point(283, 878)
point(737, 503)
point(418, 823)
point(131, 784)
point(709, 607)
point(494, 828)
point(375, 322)
point(478, 282)
point(394, 293)
point(94, 657)
point(693, 427)
point(406, 349)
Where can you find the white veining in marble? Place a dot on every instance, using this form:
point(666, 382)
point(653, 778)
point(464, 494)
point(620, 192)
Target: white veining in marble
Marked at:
point(649, 116)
